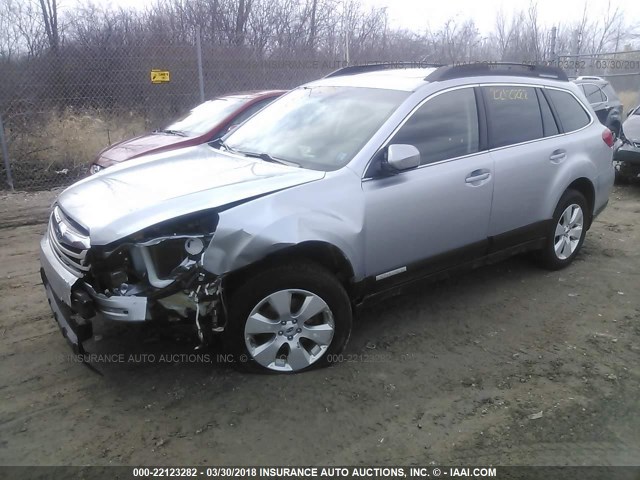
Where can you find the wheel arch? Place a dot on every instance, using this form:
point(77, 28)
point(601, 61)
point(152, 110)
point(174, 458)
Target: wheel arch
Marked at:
point(586, 188)
point(319, 252)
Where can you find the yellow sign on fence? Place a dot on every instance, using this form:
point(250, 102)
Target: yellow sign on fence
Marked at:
point(160, 76)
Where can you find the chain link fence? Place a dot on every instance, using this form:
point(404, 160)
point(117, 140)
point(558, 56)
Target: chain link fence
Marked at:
point(61, 109)
point(621, 69)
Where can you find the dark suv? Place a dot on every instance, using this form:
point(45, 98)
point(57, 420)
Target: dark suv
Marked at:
point(604, 100)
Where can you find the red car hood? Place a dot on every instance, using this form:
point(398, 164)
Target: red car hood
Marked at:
point(141, 145)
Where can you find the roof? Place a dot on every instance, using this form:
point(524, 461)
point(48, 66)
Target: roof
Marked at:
point(407, 79)
point(410, 77)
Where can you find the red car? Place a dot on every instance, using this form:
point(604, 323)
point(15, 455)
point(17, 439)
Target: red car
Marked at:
point(205, 123)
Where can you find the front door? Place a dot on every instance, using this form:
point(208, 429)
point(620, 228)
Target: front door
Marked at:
point(436, 215)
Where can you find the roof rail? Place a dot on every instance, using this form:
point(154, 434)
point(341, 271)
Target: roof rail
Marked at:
point(374, 67)
point(496, 68)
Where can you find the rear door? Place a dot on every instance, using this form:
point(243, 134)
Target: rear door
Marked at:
point(527, 149)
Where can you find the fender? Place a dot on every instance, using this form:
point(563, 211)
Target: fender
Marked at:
point(578, 168)
point(251, 231)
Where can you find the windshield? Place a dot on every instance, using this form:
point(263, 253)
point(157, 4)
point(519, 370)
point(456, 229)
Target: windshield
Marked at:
point(320, 128)
point(205, 116)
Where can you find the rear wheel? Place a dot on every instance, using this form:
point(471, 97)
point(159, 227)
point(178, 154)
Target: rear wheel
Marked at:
point(289, 319)
point(567, 231)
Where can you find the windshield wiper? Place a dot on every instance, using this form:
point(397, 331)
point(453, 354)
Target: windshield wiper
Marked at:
point(219, 143)
point(267, 158)
point(171, 132)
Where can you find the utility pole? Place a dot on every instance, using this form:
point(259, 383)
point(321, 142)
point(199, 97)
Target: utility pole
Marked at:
point(5, 155)
point(577, 36)
point(345, 29)
point(346, 46)
point(384, 33)
point(199, 58)
point(552, 53)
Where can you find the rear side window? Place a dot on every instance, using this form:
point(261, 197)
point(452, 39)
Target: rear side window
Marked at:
point(513, 115)
point(593, 93)
point(610, 93)
point(444, 127)
point(571, 114)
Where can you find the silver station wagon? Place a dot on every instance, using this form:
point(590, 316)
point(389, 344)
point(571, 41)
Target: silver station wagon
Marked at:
point(343, 191)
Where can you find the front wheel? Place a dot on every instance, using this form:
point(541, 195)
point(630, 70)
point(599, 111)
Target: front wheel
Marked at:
point(289, 318)
point(567, 231)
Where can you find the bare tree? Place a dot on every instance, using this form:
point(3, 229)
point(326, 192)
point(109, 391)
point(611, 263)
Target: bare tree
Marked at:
point(21, 32)
point(242, 16)
point(312, 26)
point(49, 10)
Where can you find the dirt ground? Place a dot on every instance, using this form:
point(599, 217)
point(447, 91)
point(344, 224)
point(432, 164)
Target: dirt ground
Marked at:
point(505, 365)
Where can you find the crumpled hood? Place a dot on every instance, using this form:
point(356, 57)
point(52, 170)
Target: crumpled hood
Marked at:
point(127, 198)
point(631, 128)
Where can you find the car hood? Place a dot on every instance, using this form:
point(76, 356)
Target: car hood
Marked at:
point(138, 146)
point(127, 198)
point(631, 128)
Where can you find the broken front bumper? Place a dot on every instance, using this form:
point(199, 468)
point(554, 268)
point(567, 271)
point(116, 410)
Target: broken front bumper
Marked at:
point(67, 294)
point(67, 319)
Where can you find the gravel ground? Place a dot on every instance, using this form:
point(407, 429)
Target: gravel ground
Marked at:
point(508, 364)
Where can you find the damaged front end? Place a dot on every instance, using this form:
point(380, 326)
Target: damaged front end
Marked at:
point(153, 275)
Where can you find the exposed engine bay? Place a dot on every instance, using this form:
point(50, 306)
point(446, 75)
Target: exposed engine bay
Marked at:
point(155, 275)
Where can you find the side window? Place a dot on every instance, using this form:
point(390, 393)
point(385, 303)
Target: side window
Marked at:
point(513, 115)
point(251, 110)
point(571, 114)
point(549, 125)
point(593, 93)
point(444, 127)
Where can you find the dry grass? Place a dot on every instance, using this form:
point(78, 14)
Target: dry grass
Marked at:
point(72, 137)
point(58, 147)
point(629, 99)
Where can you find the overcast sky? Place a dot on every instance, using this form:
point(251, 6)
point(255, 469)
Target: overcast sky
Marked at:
point(418, 14)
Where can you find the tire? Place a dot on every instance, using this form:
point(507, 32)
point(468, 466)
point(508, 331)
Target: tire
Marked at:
point(561, 248)
point(625, 173)
point(615, 129)
point(621, 178)
point(263, 343)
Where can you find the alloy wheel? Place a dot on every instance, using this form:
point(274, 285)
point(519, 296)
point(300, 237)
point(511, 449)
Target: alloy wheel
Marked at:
point(568, 231)
point(289, 330)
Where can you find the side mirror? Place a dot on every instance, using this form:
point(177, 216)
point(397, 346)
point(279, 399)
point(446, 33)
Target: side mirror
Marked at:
point(402, 157)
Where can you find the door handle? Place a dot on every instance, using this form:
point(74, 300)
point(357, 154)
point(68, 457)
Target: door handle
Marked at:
point(557, 156)
point(477, 176)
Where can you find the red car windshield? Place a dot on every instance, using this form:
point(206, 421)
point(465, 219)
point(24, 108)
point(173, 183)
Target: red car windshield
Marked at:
point(205, 116)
